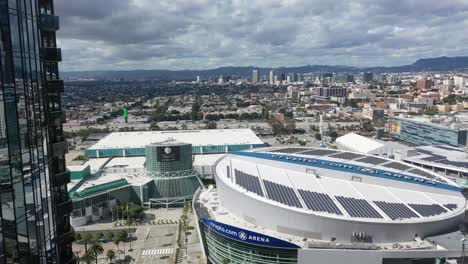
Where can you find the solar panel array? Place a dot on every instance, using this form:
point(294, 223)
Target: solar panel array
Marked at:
point(320, 152)
point(347, 156)
point(397, 166)
point(428, 209)
point(396, 210)
point(427, 175)
point(319, 202)
point(372, 160)
point(249, 182)
point(289, 150)
point(282, 194)
point(449, 148)
point(358, 207)
point(451, 206)
point(423, 151)
point(454, 163)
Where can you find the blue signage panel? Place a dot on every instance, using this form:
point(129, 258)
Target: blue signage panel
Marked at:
point(346, 167)
point(246, 236)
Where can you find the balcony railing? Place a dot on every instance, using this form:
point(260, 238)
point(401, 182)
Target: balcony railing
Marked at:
point(60, 148)
point(49, 22)
point(65, 207)
point(62, 178)
point(57, 114)
point(55, 86)
point(67, 237)
point(51, 54)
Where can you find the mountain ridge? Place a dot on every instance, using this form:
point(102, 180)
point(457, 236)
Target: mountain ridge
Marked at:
point(427, 64)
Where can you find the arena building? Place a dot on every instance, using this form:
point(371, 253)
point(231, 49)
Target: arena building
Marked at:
point(153, 169)
point(307, 205)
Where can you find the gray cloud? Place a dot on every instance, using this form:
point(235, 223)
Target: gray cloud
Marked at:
point(197, 34)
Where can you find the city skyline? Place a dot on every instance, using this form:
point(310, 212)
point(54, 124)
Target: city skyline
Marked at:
point(199, 35)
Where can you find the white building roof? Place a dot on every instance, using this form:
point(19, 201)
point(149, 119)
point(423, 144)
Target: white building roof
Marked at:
point(447, 157)
point(358, 143)
point(207, 137)
point(207, 159)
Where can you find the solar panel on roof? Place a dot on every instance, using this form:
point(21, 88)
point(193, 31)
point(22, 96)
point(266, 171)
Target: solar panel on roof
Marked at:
point(454, 163)
point(397, 166)
point(434, 157)
point(428, 209)
point(320, 152)
point(282, 194)
point(289, 150)
point(358, 207)
point(396, 210)
point(249, 182)
point(449, 148)
point(372, 160)
point(427, 175)
point(347, 156)
point(319, 202)
point(451, 206)
point(423, 151)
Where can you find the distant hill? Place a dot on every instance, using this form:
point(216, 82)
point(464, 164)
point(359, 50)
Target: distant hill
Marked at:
point(429, 64)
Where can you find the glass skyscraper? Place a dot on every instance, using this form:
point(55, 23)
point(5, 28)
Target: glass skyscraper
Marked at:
point(35, 207)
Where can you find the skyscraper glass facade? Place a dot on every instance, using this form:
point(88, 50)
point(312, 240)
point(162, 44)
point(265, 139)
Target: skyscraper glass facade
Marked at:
point(35, 208)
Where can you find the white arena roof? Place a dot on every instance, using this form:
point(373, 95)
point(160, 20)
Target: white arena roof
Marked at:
point(336, 193)
point(195, 137)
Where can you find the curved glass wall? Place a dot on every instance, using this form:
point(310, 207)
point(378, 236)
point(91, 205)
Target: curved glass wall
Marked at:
point(219, 249)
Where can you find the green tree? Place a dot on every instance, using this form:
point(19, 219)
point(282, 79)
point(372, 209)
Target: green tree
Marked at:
point(154, 127)
point(88, 257)
point(86, 238)
point(110, 255)
point(117, 240)
point(97, 250)
point(277, 127)
point(431, 111)
point(290, 125)
point(318, 136)
point(127, 259)
point(211, 125)
point(109, 236)
point(98, 236)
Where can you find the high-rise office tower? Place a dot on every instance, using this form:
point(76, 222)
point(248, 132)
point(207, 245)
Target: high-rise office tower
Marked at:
point(368, 77)
point(255, 76)
point(272, 77)
point(35, 207)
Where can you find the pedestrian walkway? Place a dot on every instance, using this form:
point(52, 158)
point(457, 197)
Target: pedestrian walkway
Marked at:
point(158, 251)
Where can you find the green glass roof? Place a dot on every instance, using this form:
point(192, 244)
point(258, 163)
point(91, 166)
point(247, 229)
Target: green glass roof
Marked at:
point(100, 188)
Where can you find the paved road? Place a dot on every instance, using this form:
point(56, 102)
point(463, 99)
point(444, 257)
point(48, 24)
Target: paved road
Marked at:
point(156, 244)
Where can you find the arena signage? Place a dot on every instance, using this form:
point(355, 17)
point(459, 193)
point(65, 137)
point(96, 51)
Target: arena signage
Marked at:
point(246, 236)
point(168, 153)
point(348, 168)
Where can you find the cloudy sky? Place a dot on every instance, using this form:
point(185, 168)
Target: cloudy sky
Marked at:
point(202, 34)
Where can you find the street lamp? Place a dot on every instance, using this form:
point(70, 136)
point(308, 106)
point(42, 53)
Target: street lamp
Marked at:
point(463, 250)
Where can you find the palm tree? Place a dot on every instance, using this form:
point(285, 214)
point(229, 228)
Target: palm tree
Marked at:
point(128, 259)
point(86, 239)
point(117, 240)
point(110, 255)
point(88, 257)
point(97, 250)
